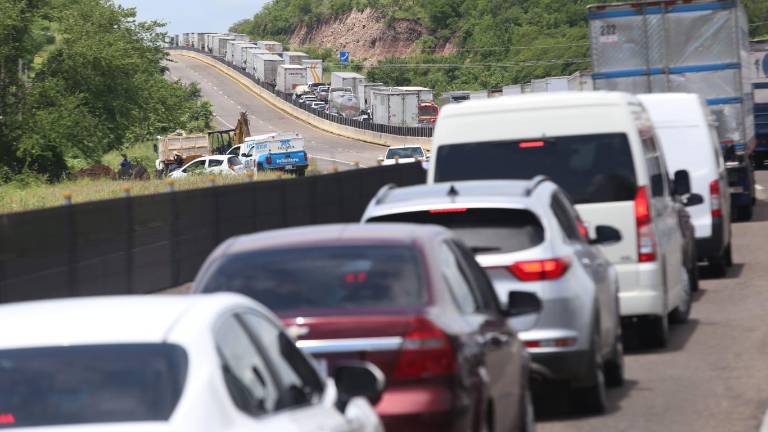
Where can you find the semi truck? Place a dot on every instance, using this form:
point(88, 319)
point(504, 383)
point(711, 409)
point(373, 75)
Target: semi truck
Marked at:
point(240, 55)
point(689, 46)
point(395, 107)
point(344, 104)
point(314, 70)
point(347, 79)
point(265, 67)
point(289, 77)
point(759, 60)
point(271, 46)
point(428, 110)
point(294, 58)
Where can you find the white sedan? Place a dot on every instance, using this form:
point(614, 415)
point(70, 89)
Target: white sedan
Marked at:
point(404, 154)
point(218, 362)
point(223, 165)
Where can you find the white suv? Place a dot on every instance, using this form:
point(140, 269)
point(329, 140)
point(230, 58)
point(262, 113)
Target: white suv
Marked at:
point(528, 237)
point(601, 148)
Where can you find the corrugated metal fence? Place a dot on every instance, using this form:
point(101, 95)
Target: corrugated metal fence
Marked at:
point(149, 243)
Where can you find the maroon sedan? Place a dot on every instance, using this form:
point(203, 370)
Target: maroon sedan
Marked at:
point(409, 298)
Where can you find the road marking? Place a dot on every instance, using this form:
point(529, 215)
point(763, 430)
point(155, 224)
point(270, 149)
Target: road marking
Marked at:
point(341, 161)
point(224, 121)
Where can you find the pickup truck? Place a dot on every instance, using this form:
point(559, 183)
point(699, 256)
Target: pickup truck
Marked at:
point(274, 151)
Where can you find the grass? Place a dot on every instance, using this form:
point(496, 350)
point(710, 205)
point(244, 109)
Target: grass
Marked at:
point(16, 197)
point(143, 152)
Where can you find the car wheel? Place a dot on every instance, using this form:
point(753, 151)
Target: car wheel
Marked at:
point(727, 256)
point(614, 367)
point(301, 172)
point(744, 213)
point(681, 313)
point(654, 331)
point(718, 265)
point(693, 276)
point(593, 399)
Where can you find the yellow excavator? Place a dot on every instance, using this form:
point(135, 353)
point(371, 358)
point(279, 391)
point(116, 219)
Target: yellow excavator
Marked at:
point(223, 140)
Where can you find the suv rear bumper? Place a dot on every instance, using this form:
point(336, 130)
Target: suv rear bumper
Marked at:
point(714, 245)
point(641, 289)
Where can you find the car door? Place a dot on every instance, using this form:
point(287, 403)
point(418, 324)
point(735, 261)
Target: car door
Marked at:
point(214, 165)
point(669, 240)
point(304, 401)
point(502, 351)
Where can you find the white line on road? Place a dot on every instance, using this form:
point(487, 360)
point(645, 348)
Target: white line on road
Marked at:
point(341, 161)
point(224, 121)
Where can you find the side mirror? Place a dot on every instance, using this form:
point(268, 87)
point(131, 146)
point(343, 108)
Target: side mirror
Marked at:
point(380, 158)
point(605, 234)
point(358, 379)
point(522, 303)
point(693, 199)
point(682, 183)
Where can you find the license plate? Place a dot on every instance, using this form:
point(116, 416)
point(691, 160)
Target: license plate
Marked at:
point(290, 167)
point(737, 189)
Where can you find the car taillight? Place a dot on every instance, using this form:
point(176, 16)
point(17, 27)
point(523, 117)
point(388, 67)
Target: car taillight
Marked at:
point(306, 157)
point(714, 196)
point(548, 269)
point(426, 352)
point(646, 238)
point(269, 160)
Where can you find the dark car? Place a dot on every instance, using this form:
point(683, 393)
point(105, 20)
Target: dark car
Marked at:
point(409, 298)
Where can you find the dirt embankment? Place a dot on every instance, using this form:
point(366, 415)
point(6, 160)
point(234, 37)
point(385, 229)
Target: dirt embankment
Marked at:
point(366, 35)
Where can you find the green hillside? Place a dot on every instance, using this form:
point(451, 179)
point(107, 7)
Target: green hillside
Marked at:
point(500, 41)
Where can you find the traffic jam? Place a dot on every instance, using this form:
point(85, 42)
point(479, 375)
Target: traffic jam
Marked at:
point(550, 226)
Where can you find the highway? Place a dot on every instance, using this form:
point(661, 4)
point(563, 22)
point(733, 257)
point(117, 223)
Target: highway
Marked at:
point(713, 375)
point(229, 99)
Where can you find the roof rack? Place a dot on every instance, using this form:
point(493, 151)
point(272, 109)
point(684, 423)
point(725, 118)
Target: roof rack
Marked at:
point(535, 182)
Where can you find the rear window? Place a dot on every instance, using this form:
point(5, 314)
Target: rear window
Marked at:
point(405, 153)
point(485, 231)
point(90, 384)
point(215, 163)
point(325, 279)
point(234, 161)
point(591, 168)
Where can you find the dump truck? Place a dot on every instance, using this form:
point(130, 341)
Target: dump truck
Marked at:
point(688, 46)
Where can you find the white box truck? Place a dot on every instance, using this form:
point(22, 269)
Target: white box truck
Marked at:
point(232, 48)
point(250, 59)
point(294, 57)
point(210, 41)
point(265, 67)
point(289, 77)
point(271, 46)
point(364, 93)
point(347, 79)
point(425, 94)
point(220, 45)
point(395, 108)
point(314, 70)
point(240, 56)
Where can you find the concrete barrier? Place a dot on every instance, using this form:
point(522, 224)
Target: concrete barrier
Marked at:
point(304, 116)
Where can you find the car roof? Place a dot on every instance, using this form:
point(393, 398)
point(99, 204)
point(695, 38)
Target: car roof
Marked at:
point(108, 320)
point(474, 193)
point(533, 101)
point(333, 234)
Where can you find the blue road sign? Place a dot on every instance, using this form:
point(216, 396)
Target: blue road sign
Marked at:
point(344, 57)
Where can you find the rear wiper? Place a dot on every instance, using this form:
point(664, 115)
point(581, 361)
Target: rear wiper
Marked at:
point(480, 249)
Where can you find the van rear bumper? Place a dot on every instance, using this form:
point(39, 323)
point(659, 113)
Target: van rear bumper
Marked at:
point(641, 289)
point(714, 245)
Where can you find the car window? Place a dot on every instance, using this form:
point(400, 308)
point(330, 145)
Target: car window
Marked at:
point(234, 161)
point(591, 168)
point(457, 283)
point(566, 218)
point(213, 163)
point(480, 283)
point(247, 377)
point(312, 279)
point(656, 172)
point(298, 379)
point(195, 166)
point(484, 230)
point(234, 151)
point(70, 385)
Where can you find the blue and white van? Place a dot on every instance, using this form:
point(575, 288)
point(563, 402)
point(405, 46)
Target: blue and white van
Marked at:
point(274, 151)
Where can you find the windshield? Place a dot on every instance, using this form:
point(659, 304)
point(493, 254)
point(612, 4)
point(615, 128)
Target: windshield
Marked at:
point(485, 231)
point(427, 111)
point(90, 384)
point(591, 168)
point(324, 279)
point(405, 153)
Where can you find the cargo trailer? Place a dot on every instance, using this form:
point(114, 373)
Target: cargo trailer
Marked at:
point(220, 45)
point(250, 59)
point(289, 77)
point(684, 46)
point(271, 46)
point(425, 94)
point(395, 108)
point(314, 70)
point(347, 79)
point(232, 48)
point(239, 57)
point(453, 97)
point(265, 67)
point(294, 57)
point(364, 93)
point(759, 60)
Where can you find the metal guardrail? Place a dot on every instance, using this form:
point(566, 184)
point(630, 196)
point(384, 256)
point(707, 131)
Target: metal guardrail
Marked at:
point(416, 132)
point(149, 243)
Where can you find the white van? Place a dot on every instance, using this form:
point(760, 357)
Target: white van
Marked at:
point(601, 148)
point(687, 131)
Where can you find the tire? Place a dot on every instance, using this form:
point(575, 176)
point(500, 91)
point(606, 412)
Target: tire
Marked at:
point(529, 422)
point(654, 331)
point(744, 213)
point(301, 172)
point(614, 367)
point(593, 399)
point(718, 266)
point(728, 256)
point(693, 276)
point(680, 314)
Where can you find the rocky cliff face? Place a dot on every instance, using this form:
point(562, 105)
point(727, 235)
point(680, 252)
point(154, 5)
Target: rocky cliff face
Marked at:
point(366, 35)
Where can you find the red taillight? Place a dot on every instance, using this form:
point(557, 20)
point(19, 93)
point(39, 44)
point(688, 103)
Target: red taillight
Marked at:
point(531, 144)
point(646, 238)
point(714, 196)
point(7, 419)
point(448, 210)
point(529, 271)
point(551, 343)
point(306, 157)
point(426, 352)
point(269, 159)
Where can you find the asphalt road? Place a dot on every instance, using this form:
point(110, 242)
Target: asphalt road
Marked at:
point(229, 99)
point(714, 374)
